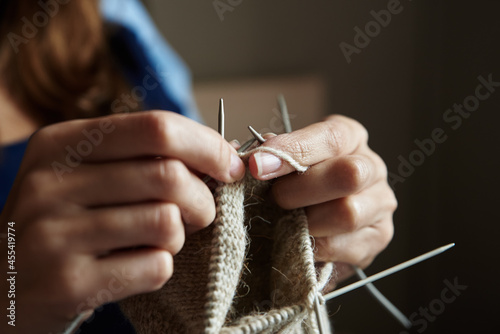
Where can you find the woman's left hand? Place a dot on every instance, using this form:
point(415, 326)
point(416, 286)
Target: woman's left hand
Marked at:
point(345, 193)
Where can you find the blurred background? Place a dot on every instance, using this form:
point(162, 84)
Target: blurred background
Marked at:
point(398, 76)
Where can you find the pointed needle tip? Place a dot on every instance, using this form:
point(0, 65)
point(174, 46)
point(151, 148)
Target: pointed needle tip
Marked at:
point(446, 247)
point(388, 272)
point(221, 118)
point(257, 135)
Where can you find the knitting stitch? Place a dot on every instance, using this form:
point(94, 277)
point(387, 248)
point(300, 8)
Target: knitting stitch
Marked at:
point(251, 271)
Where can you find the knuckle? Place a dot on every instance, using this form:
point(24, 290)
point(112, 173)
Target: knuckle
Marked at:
point(167, 226)
point(350, 214)
point(154, 121)
point(72, 283)
point(340, 125)
point(355, 172)
point(336, 127)
point(175, 172)
point(201, 209)
point(390, 201)
point(170, 174)
point(393, 201)
point(173, 228)
point(300, 150)
point(36, 183)
point(45, 236)
point(158, 125)
point(161, 271)
point(384, 172)
point(387, 233)
point(360, 130)
point(380, 165)
point(336, 140)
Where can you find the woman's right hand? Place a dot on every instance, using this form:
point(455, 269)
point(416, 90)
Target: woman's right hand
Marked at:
point(100, 206)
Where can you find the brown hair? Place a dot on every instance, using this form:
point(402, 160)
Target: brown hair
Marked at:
point(56, 64)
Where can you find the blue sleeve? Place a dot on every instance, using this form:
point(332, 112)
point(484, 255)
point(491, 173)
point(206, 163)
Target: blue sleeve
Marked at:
point(175, 75)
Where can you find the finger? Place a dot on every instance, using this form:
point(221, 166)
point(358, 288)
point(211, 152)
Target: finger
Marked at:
point(357, 248)
point(328, 180)
point(128, 273)
point(352, 213)
point(155, 133)
point(101, 231)
point(126, 182)
point(337, 136)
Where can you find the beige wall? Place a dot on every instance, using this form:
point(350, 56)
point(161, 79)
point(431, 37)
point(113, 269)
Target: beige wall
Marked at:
point(254, 102)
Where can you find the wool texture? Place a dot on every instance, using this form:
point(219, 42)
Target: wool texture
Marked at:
point(251, 271)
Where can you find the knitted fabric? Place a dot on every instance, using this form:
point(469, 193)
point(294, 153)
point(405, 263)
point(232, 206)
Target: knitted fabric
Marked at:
point(251, 271)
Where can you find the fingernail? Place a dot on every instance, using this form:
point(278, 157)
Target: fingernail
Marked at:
point(267, 163)
point(269, 135)
point(235, 144)
point(237, 169)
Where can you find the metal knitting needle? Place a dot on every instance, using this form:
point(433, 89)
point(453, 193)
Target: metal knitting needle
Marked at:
point(221, 118)
point(74, 324)
point(246, 145)
point(395, 312)
point(220, 129)
point(387, 272)
point(319, 319)
point(284, 113)
point(257, 135)
point(288, 128)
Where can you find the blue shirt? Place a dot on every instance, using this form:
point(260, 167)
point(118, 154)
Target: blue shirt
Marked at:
point(142, 53)
point(10, 159)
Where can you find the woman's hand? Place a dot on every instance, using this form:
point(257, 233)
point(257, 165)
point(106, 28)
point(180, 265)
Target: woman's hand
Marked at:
point(348, 201)
point(100, 207)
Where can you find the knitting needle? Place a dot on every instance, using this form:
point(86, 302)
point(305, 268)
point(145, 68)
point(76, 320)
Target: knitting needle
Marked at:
point(288, 128)
point(319, 319)
point(76, 321)
point(396, 313)
point(220, 129)
point(257, 135)
point(285, 117)
point(221, 117)
point(246, 145)
point(387, 272)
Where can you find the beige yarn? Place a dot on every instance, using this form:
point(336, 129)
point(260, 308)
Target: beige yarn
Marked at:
point(282, 155)
point(251, 271)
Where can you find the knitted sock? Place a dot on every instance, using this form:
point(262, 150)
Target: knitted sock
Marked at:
point(251, 271)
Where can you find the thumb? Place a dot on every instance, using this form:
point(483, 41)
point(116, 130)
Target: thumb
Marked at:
point(336, 136)
point(271, 160)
